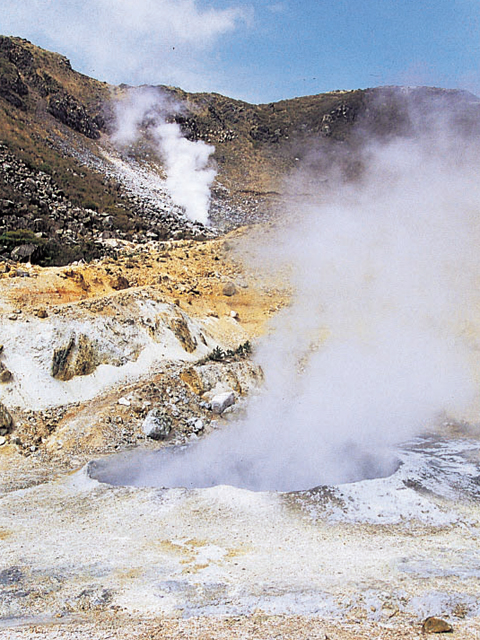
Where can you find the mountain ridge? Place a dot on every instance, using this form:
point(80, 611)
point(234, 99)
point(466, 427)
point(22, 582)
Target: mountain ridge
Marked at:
point(57, 122)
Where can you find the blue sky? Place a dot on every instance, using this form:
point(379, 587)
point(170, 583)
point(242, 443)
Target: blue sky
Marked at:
point(259, 51)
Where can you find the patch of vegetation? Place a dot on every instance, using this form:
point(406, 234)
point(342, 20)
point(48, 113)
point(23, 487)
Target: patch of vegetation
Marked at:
point(49, 252)
point(219, 355)
point(12, 239)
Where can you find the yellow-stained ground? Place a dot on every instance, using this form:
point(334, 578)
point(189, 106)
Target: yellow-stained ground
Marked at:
point(192, 274)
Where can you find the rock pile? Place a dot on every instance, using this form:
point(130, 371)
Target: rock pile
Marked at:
point(40, 207)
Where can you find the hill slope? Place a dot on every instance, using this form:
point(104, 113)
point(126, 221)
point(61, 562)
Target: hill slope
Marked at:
point(61, 178)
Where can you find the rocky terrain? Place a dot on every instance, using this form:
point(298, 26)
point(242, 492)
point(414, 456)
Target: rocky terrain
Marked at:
point(126, 327)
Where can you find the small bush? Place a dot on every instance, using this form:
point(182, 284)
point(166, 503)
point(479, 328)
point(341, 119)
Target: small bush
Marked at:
point(218, 354)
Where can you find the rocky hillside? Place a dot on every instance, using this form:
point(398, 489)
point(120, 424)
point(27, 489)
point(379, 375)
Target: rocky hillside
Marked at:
point(65, 190)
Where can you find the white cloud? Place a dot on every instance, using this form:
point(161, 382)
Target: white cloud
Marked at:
point(133, 41)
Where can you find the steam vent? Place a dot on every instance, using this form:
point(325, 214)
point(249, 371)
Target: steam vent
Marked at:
point(239, 373)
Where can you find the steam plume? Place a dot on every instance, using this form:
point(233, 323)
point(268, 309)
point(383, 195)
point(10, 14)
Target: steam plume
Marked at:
point(187, 164)
point(374, 346)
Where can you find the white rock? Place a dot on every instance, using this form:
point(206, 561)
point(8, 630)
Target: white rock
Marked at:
point(157, 424)
point(124, 402)
point(221, 401)
point(3, 440)
point(198, 425)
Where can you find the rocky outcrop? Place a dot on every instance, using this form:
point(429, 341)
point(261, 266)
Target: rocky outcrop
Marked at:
point(242, 376)
point(343, 112)
point(6, 420)
point(75, 115)
point(80, 355)
point(12, 88)
point(179, 327)
point(76, 358)
point(178, 323)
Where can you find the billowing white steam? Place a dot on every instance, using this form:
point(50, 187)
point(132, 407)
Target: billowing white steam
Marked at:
point(187, 163)
point(374, 344)
point(189, 177)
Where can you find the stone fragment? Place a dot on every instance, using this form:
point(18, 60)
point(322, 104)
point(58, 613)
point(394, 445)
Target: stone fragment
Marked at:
point(3, 441)
point(124, 402)
point(6, 420)
point(5, 374)
point(119, 283)
point(221, 401)
point(41, 313)
point(157, 424)
point(436, 625)
point(229, 289)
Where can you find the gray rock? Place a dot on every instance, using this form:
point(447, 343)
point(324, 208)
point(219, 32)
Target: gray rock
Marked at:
point(229, 289)
point(221, 401)
point(23, 252)
point(157, 424)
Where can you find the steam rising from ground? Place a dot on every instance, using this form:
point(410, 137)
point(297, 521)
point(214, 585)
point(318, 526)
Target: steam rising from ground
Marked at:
point(374, 346)
point(189, 174)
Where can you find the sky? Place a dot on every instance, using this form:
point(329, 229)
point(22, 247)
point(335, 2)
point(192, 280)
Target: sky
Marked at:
point(259, 50)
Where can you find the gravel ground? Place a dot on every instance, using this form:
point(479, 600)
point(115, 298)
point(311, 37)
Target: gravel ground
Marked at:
point(256, 627)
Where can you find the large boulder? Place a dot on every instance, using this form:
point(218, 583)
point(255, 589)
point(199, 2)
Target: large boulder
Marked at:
point(24, 252)
point(222, 401)
point(157, 424)
point(436, 625)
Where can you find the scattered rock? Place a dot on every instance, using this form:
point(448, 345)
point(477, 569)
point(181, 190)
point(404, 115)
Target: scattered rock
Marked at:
point(221, 401)
point(157, 424)
point(436, 625)
point(3, 441)
point(41, 313)
point(229, 289)
point(124, 402)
